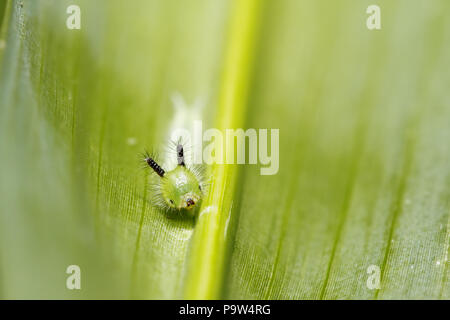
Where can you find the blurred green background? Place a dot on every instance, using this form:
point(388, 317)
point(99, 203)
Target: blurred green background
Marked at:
point(364, 119)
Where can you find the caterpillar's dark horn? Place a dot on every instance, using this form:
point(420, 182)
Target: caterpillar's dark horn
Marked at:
point(160, 171)
point(180, 155)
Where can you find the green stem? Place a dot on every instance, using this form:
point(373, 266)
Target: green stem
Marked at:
point(207, 255)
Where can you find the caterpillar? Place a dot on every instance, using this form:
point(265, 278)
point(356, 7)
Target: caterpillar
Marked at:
point(181, 188)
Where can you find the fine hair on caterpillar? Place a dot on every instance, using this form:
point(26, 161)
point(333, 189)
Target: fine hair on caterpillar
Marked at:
point(179, 188)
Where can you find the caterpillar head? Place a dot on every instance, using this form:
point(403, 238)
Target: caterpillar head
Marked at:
point(180, 188)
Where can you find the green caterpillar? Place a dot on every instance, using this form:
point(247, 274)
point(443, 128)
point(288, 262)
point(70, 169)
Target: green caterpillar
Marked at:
point(179, 189)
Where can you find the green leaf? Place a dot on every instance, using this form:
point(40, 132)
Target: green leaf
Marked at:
point(364, 175)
